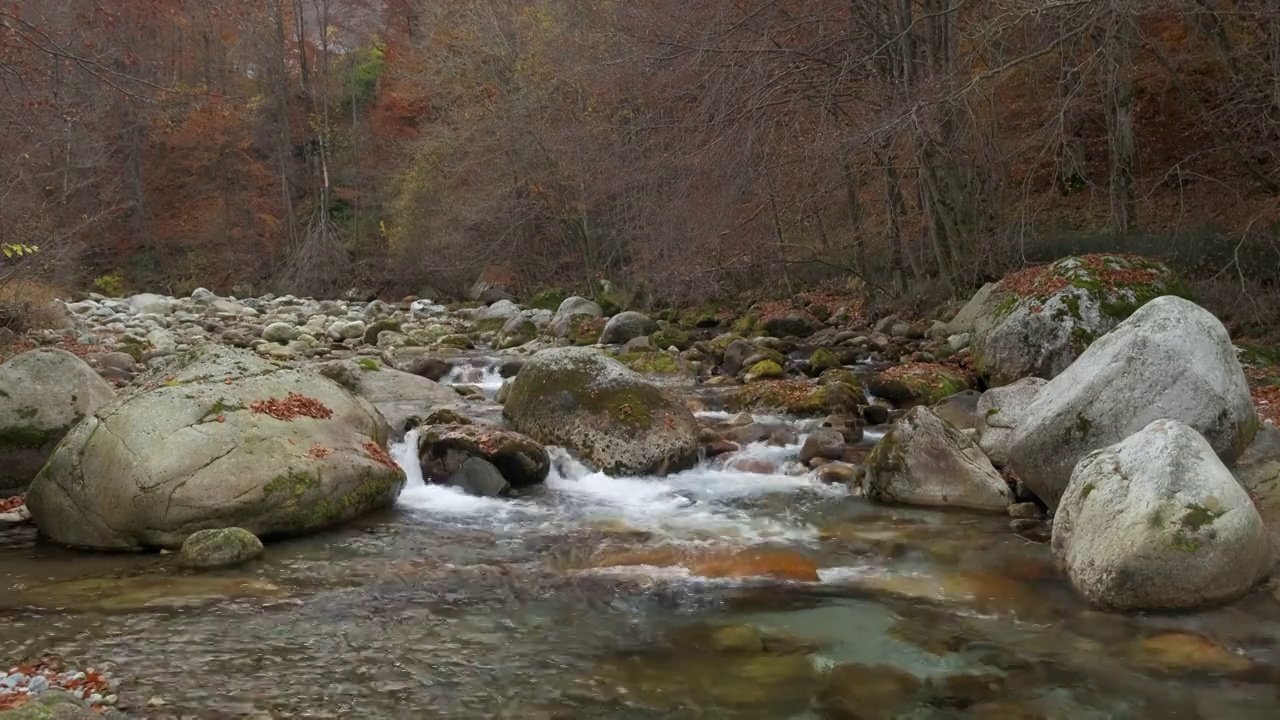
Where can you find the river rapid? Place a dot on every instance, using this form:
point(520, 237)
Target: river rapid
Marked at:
point(742, 588)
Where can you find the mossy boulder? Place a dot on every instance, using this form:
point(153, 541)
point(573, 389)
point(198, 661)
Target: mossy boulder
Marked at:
point(377, 327)
point(792, 324)
point(43, 394)
point(918, 383)
point(821, 360)
point(765, 370)
point(1036, 322)
point(625, 326)
point(442, 450)
point(222, 438)
point(223, 547)
point(653, 363)
point(925, 460)
point(584, 329)
point(612, 417)
point(796, 397)
point(516, 332)
point(669, 336)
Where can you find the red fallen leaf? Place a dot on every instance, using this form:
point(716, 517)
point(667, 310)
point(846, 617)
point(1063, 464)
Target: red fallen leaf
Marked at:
point(222, 418)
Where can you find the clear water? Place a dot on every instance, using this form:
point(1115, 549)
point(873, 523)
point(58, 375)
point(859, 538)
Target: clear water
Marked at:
point(599, 597)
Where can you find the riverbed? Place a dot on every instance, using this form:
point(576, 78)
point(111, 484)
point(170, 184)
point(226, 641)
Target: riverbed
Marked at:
point(742, 588)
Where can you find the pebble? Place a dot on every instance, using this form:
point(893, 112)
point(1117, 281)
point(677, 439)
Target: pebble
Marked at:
point(38, 684)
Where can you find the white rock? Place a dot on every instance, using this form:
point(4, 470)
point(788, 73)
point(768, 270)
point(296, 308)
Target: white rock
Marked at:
point(925, 460)
point(1157, 522)
point(1000, 411)
point(279, 332)
point(1171, 359)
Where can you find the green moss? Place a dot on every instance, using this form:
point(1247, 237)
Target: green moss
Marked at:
point(1006, 306)
point(294, 484)
point(888, 455)
point(795, 397)
point(843, 377)
point(1082, 425)
point(651, 362)
point(1197, 516)
point(1259, 355)
point(137, 350)
point(1072, 304)
point(373, 487)
point(220, 407)
point(458, 341)
point(385, 325)
point(549, 299)
point(821, 360)
point(766, 369)
point(368, 364)
point(1086, 491)
point(29, 437)
point(722, 342)
point(1184, 543)
point(670, 337)
point(746, 325)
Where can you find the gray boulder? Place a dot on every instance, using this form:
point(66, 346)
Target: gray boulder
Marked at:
point(223, 547)
point(998, 414)
point(516, 332)
point(612, 417)
point(442, 449)
point(625, 326)
point(1038, 321)
point(225, 439)
point(477, 476)
point(500, 310)
point(1157, 522)
point(735, 356)
point(1171, 359)
point(396, 394)
point(572, 306)
point(925, 460)
point(279, 332)
point(43, 394)
point(960, 409)
point(827, 443)
point(151, 304)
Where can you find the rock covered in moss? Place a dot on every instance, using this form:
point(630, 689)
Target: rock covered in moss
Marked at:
point(443, 449)
point(918, 382)
point(1038, 321)
point(570, 308)
point(515, 332)
point(223, 547)
point(43, 394)
point(925, 460)
point(653, 363)
point(669, 336)
point(1171, 359)
point(52, 705)
point(612, 417)
point(764, 370)
point(804, 398)
point(791, 324)
point(1157, 522)
point(821, 360)
point(221, 438)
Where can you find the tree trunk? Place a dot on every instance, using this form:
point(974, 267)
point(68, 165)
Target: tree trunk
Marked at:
point(1118, 99)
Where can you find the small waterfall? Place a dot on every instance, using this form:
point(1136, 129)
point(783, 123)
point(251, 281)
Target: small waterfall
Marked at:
point(487, 377)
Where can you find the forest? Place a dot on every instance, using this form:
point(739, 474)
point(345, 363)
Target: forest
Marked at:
point(682, 150)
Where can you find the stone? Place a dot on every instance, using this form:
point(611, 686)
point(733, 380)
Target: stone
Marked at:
point(999, 412)
point(427, 366)
point(442, 450)
point(638, 345)
point(980, 305)
point(396, 395)
point(789, 325)
point(1039, 320)
point(802, 398)
point(917, 382)
point(867, 692)
point(151, 304)
point(735, 356)
point(43, 395)
point(1157, 522)
point(572, 306)
point(476, 476)
point(1171, 359)
point(875, 414)
point(960, 409)
point(764, 370)
point(822, 443)
point(501, 310)
point(625, 326)
point(516, 332)
point(611, 416)
point(821, 360)
point(279, 332)
point(223, 547)
point(226, 438)
point(924, 460)
point(1024, 510)
point(52, 705)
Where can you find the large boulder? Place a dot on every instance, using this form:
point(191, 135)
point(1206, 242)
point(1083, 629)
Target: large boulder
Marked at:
point(1038, 321)
point(222, 438)
point(573, 308)
point(43, 394)
point(397, 395)
point(495, 283)
point(925, 460)
point(917, 382)
point(804, 398)
point(444, 448)
point(627, 325)
point(611, 416)
point(1171, 359)
point(1000, 411)
point(1157, 522)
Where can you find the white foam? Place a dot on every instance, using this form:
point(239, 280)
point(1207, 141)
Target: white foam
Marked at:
point(421, 496)
point(486, 377)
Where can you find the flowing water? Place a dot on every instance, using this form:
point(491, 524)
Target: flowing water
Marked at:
point(742, 588)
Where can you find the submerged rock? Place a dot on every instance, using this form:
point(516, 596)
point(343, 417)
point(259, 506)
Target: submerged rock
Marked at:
point(1038, 321)
point(1157, 522)
point(223, 547)
point(227, 439)
point(924, 460)
point(43, 394)
point(477, 476)
point(612, 417)
point(1171, 359)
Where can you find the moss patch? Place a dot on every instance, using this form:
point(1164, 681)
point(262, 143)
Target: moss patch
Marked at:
point(670, 337)
point(549, 299)
point(659, 363)
point(368, 364)
point(918, 383)
point(294, 484)
point(766, 369)
point(796, 397)
point(585, 329)
point(489, 324)
point(373, 487)
point(30, 437)
point(631, 405)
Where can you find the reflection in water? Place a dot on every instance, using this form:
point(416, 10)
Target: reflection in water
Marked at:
point(712, 593)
